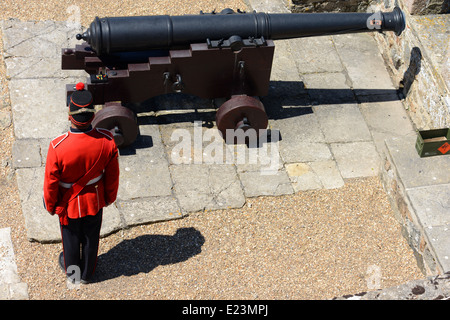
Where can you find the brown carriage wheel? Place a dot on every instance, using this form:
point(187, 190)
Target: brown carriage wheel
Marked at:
point(121, 121)
point(241, 112)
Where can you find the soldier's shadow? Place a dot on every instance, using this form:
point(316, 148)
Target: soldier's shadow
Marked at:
point(144, 253)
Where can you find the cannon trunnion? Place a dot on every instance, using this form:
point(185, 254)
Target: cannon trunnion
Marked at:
point(130, 60)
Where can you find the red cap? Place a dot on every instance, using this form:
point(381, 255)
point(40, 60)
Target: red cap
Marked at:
point(79, 86)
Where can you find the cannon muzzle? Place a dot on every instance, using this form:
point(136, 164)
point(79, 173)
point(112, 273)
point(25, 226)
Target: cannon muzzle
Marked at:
point(128, 34)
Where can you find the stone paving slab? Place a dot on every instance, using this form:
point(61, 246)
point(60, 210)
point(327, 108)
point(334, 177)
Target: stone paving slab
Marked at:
point(362, 63)
point(316, 55)
point(27, 153)
point(328, 173)
point(193, 143)
point(342, 123)
point(40, 225)
point(147, 210)
point(356, 159)
point(328, 88)
point(140, 179)
point(11, 288)
point(432, 204)
point(265, 158)
point(439, 239)
point(416, 171)
point(386, 119)
point(286, 69)
point(302, 177)
point(256, 184)
point(207, 187)
point(8, 270)
point(38, 107)
point(425, 184)
point(314, 175)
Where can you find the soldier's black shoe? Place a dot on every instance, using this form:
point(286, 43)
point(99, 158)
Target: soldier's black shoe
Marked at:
point(61, 262)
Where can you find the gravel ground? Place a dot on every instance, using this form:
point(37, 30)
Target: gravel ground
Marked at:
point(311, 245)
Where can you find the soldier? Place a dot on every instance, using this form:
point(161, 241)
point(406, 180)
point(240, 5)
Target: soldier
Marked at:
point(81, 177)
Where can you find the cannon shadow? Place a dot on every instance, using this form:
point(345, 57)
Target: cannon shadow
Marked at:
point(291, 99)
point(285, 99)
point(141, 142)
point(178, 107)
point(414, 67)
point(144, 253)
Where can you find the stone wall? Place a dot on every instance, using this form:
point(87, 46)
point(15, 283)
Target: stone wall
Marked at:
point(418, 61)
point(329, 5)
point(425, 7)
point(415, 7)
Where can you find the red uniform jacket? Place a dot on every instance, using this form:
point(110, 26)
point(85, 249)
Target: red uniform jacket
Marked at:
point(69, 157)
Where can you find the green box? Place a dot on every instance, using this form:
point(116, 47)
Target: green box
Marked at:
point(433, 142)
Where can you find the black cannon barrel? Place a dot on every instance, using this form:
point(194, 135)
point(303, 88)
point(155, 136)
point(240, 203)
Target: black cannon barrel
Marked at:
point(122, 34)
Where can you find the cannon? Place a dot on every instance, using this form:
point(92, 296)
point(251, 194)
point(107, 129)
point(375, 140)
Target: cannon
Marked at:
point(210, 55)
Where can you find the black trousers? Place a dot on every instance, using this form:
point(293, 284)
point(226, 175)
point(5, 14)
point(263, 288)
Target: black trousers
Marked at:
point(80, 239)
